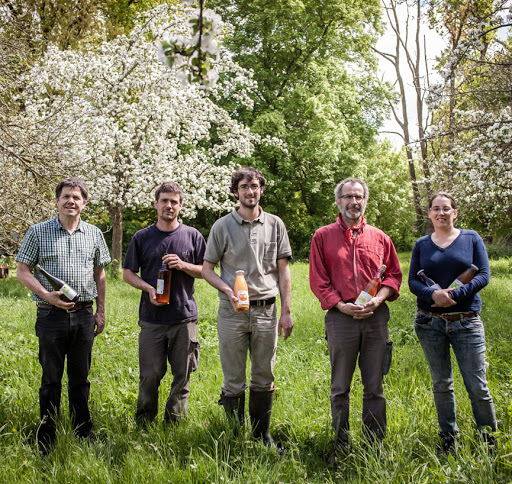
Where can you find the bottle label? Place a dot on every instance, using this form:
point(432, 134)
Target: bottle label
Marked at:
point(68, 292)
point(243, 298)
point(455, 284)
point(363, 298)
point(159, 286)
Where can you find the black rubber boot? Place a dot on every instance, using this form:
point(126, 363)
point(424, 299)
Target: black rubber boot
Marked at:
point(234, 407)
point(260, 409)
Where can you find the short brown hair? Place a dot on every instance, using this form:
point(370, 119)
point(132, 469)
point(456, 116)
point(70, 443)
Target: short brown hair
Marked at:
point(442, 194)
point(169, 187)
point(247, 172)
point(73, 183)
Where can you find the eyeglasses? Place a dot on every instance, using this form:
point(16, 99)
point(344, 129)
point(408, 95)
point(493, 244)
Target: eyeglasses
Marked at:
point(441, 209)
point(244, 187)
point(357, 198)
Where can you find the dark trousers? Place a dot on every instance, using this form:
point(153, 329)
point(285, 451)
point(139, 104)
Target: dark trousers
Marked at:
point(159, 343)
point(349, 339)
point(64, 334)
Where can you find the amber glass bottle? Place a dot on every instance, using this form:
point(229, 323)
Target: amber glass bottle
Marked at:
point(465, 277)
point(163, 285)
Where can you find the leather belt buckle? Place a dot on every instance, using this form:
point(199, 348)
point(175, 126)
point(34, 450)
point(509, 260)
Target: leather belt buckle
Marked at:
point(262, 302)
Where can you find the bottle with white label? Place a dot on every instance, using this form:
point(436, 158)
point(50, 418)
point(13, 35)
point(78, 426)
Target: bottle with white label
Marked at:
point(371, 288)
point(465, 277)
point(68, 293)
point(163, 285)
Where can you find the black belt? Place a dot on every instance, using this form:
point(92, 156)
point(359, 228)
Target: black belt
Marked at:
point(78, 306)
point(262, 302)
point(450, 317)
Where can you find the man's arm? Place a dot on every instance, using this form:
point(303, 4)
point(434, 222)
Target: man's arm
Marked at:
point(174, 262)
point(101, 287)
point(285, 324)
point(212, 278)
point(25, 276)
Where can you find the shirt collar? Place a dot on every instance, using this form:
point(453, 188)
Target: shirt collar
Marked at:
point(260, 218)
point(79, 227)
point(349, 231)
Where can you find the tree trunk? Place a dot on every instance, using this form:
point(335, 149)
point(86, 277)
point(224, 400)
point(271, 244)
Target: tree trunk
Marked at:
point(116, 212)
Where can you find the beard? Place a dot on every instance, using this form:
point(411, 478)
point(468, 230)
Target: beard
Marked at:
point(352, 215)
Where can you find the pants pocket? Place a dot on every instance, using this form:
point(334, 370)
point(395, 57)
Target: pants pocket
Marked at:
point(193, 355)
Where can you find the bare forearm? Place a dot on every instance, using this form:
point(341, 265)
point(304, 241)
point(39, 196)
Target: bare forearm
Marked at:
point(285, 284)
point(285, 289)
point(212, 278)
point(384, 293)
point(193, 270)
point(26, 277)
point(101, 288)
point(135, 281)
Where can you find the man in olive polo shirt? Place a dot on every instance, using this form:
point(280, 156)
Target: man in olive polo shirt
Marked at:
point(256, 242)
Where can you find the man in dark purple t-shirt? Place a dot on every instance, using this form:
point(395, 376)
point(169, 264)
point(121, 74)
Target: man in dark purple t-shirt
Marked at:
point(168, 331)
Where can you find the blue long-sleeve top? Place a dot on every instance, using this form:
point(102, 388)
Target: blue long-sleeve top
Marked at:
point(443, 265)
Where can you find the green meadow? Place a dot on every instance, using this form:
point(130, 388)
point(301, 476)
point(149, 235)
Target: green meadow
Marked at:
point(204, 447)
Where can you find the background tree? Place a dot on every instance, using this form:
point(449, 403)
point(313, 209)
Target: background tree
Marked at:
point(408, 59)
point(472, 111)
point(312, 61)
point(131, 124)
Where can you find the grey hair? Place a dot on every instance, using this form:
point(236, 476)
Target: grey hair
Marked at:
point(342, 183)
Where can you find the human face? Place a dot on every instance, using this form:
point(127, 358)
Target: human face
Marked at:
point(352, 203)
point(168, 206)
point(70, 202)
point(442, 213)
point(248, 193)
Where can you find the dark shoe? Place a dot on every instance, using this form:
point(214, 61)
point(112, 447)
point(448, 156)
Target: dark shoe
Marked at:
point(341, 450)
point(44, 447)
point(492, 443)
point(234, 406)
point(260, 410)
point(447, 443)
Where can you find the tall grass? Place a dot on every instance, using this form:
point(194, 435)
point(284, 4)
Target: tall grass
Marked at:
point(204, 448)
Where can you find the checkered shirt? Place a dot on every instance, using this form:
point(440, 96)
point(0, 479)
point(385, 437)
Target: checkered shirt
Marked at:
point(70, 257)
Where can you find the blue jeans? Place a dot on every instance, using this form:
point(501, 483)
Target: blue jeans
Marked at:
point(467, 339)
point(62, 335)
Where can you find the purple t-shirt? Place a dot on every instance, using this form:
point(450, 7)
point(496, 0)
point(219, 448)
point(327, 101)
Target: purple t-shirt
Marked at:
point(145, 254)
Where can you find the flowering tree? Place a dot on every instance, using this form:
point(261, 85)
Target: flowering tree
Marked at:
point(133, 125)
point(473, 119)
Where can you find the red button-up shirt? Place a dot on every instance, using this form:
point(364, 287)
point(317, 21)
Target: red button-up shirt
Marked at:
point(341, 264)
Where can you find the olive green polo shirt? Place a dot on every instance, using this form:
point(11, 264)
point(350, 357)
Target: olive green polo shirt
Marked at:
point(253, 247)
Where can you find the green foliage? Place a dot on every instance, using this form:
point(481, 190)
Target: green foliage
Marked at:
point(313, 64)
point(13, 289)
point(204, 447)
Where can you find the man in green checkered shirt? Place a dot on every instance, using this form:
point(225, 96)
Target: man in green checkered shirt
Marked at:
point(75, 252)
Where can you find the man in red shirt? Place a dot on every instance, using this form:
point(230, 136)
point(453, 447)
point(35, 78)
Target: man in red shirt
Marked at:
point(344, 257)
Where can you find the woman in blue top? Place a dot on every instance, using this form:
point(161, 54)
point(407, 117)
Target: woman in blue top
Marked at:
point(450, 317)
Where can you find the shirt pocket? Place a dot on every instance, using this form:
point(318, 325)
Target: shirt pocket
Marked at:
point(270, 251)
point(86, 255)
point(48, 254)
point(372, 256)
